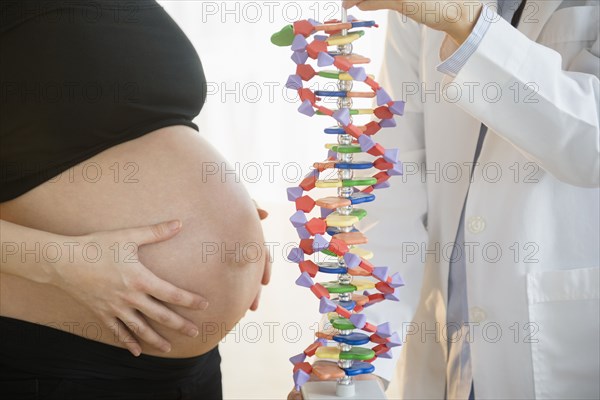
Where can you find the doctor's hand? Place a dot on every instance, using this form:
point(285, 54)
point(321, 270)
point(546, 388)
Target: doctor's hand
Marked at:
point(456, 18)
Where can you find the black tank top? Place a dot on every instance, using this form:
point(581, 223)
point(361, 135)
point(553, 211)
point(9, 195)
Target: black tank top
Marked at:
point(78, 77)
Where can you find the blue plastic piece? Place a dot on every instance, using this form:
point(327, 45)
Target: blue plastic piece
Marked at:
point(363, 24)
point(332, 268)
point(359, 368)
point(353, 339)
point(332, 230)
point(328, 93)
point(335, 130)
point(360, 197)
point(354, 165)
point(348, 305)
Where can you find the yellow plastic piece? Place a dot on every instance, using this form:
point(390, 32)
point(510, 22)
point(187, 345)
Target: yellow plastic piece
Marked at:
point(361, 111)
point(359, 251)
point(363, 284)
point(332, 315)
point(336, 219)
point(328, 183)
point(344, 76)
point(340, 40)
point(332, 353)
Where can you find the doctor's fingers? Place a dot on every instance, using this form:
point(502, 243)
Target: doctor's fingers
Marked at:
point(370, 5)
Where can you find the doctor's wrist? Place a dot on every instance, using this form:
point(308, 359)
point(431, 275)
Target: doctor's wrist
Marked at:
point(460, 28)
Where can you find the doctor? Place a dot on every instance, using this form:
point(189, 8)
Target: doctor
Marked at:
point(499, 214)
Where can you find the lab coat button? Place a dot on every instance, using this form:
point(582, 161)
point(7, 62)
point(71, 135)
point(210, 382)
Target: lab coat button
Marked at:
point(476, 224)
point(477, 314)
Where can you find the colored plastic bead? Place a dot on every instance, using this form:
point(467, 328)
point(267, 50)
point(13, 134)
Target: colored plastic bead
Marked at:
point(354, 339)
point(336, 219)
point(309, 267)
point(305, 203)
point(333, 202)
point(360, 198)
point(331, 268)
point(359, 368)
point(328, 371)
point(362, 253)
point(352, 238)
point(332, 353)
point(334, 287)
point(357, 353)
point(342, 324)
point(354, 165)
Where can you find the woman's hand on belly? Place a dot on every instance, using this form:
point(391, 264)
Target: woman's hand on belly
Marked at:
point(122, 292)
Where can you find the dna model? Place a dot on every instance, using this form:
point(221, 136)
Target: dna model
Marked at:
point(334, 232)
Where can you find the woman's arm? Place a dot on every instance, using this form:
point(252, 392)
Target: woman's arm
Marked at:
point(113, 284)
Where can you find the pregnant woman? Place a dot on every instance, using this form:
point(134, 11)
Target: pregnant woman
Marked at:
point(114, 239)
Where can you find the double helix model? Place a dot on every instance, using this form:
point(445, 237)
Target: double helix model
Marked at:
point(334, 232)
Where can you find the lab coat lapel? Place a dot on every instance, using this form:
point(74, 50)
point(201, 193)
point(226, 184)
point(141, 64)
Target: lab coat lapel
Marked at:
point(535, 15)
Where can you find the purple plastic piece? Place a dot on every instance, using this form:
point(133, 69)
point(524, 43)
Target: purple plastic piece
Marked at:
point(381, 273)
point(359, 320)
point(384, 330)
point(321, 38)
point(326, 305)
point(296, 255)
point(398, 107)
point(387, 123)
point(382, 97)
point(298, 358)
point(294, 193)
point(298, 219)
point(342, 116)
point(351, 18)
point(392, 296)
point(387, 354)
point(322, 341)
point(306, 108)
point(299, 43)
point(397, 169)
point(358, 73)
point(391, 155)
point(294, 82)
point(304, 280)
point(314, 22)
point(397, 280)
point(303, 233)
point(382, 185)
point(351, 260)
point(300, 57)
point(366, 143)
point(320, 243)
point(300, 378)
point(325, 212)
point(331, 154)
point(324, 59)
point(394, 340)
point(314, 172)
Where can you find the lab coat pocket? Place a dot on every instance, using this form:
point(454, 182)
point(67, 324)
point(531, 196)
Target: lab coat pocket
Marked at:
point(564, 321)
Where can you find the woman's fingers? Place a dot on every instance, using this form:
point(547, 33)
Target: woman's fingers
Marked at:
point(254, 305)
point(350, 3)
point(294, 395)
point(266, 278)
point(163, 315)
point(141, 329)
point(170, 293)
point(153, 233)
point(122, 335)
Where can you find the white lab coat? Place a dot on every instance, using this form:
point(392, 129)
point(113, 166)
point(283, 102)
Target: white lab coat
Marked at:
point(532, 213)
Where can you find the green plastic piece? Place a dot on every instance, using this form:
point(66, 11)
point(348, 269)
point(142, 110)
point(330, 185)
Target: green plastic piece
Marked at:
point(334, 287)
point(342, 324)
point(345, 149)
point(284, 37)
point(359, 182)
point(329, 74)
point(357, 353)
point(329, 253)
point(359, 213)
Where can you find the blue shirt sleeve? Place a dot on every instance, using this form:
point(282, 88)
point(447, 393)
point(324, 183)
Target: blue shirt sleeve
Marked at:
point(453, 64)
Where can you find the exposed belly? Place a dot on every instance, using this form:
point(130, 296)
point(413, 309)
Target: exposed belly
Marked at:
point(154, 178)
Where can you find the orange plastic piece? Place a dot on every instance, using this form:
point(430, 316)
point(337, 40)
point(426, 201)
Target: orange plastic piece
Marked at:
point(312, 349)
point(304, 366)
point(319, 290)
point(338, 247)
point(308, 183)
point(382, 165)
point(375, 338)
point(369, 327)
point(342, 63)
point(305, 71)
point(309, 267)
point(303, 28)
point(381, 177)
point(384, 287)
point(383, 113)
point(324, 110)
point(333, 27)
point(358, 272)
point(367, 266)
point(322, 166)
point(305, 203)
point(380, 349)
point(372, 128)
point(327, 371)
point(342, 312)
point(316, 226)
point(376, 297)
point(306, 246)
point(352, 238)
point(307, 94)
point(325, 335)
point(332, 203)
point(376, 150)
point(371, 82)
point(353, 130)
point(360, 299)
point(368, 189)
point(315, 48)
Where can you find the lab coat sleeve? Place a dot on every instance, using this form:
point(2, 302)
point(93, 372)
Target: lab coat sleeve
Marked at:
point(556, 124)
point(400, 211)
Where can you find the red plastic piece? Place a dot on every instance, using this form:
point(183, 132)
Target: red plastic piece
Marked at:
point(372, 128)
point(384, 287)
point(342, 63)
point(369, 328)
point(319, 290)
point(305, 203)
point(309, 267)
point(306, 246)
point(305, 71)
point(382, 165)
point(383, 113)
point(337, 246)
point(303, 28)
point(375, 338)
point(304, 366)
point(376, 297)
point(368, 189)
point(316, 226)
point(324, 110)
point(367, 266)
point(312, 349)
point(307, 94)
point(381, 177)
point(376, 150)
point(308, 183)
point(353, 130)
point(315, 48)
point(358, 308)
point(371, 82)
point(380, 349)
point(342, 312)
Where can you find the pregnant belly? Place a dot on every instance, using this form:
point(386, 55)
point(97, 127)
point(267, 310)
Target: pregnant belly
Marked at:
point(154, 178)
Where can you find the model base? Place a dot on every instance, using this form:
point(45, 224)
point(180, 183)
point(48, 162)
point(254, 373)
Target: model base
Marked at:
point(364, 390)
